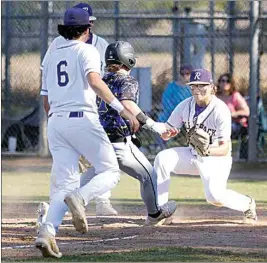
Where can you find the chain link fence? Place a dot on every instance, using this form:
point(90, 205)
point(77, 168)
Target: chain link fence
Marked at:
point(165, 34)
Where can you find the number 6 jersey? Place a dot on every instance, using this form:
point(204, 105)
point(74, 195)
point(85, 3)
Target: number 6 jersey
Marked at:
point(64, 77)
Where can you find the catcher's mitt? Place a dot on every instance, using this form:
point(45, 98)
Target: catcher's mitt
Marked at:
point(83, 164)
point(200, 141)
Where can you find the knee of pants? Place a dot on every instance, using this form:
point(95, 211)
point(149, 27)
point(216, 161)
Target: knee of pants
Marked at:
point(214, 196)
point(161, 159)
point(110, 168)
point(162, 164)
point(117, 176)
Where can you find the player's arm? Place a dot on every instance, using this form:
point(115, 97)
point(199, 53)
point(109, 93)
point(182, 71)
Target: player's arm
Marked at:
point(223, 125)
point(174, 122)
point(90, 60)
point(46, 103)
point(128, 96)
point(143, 119)
point(102, 90)
point(221, 150)
point(44, 91)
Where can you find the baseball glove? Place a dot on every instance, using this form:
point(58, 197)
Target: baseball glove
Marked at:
point(83, 164)
point(200, 141)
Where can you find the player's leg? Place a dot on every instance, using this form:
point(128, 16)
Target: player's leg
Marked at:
point(134, 163)
point(99, 152)
point(103, 205)
point(215, 186)
point(177, 160)
point(64, 179)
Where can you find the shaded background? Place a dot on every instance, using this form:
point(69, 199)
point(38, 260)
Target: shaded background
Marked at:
point(165, 34)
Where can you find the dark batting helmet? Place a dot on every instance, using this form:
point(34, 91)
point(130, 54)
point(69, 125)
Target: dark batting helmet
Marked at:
point(120, 52)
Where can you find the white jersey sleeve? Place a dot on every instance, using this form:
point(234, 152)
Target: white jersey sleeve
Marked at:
point(176, 118)
point(90, 60)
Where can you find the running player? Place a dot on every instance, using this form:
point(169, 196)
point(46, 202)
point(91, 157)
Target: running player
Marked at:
point(120, 59)
point(204, 116)
point(70, 81)
point(103, 205)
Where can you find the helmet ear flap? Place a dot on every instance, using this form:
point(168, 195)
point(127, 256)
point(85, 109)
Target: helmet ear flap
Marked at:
point(132, 62)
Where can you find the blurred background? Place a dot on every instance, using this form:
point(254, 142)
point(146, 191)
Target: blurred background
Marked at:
point(221, 36)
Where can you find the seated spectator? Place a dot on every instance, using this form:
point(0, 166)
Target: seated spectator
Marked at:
point(226, 91)
point(174, 93)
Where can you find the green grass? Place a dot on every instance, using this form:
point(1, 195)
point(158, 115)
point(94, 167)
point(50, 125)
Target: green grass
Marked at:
point(162, 254)
point(35, 186)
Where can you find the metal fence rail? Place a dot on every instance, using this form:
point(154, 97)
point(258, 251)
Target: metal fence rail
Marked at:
point(221, 36)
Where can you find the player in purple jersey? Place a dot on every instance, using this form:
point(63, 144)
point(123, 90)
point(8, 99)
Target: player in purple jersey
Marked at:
point(120, 60)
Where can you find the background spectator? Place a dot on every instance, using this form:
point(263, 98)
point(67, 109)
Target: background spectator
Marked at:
point(235, 101)
point(175, 92)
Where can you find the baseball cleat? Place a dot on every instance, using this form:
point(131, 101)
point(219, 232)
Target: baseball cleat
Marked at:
point(46, 242)
point(77, 210)
point(250, 216)
point(167, 210)
point(104, 208)
point(42, 213)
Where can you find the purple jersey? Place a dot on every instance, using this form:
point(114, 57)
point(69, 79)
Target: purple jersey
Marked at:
point(124, 87)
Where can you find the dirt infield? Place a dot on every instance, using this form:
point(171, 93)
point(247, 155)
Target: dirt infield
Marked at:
point(202, 227)
point(194, 225)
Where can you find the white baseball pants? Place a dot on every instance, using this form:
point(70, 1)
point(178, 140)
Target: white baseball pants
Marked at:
point(69, 138)
point(214, 173)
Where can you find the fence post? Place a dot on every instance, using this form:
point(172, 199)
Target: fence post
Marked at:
point(253, 83)
point(231, 25)
point(8, 25)
point(117, 22)
point(212, 42)
point(43, 144)
point(175, 42)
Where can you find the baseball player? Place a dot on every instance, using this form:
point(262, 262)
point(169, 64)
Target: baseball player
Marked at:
point(208, 124)
point(120, 59)
point(103, 205)
point(95, 40)
point(70, 81)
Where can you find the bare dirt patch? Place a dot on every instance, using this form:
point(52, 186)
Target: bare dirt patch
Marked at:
point(193, 226)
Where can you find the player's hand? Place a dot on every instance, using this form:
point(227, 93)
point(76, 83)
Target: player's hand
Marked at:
point(134, 123)
point(159, 127)
point(172, 132)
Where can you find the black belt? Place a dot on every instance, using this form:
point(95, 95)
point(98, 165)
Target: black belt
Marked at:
point(121, 139)
point(73, 114)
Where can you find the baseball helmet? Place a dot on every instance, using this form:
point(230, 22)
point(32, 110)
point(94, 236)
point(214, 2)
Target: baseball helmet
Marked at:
point(120, 52)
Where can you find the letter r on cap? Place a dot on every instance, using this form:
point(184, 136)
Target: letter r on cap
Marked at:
point(197, 75)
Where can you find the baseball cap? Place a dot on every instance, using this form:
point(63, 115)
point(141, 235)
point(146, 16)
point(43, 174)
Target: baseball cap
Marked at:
point(200, 76)
point(76, 17)
point(86, 8)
